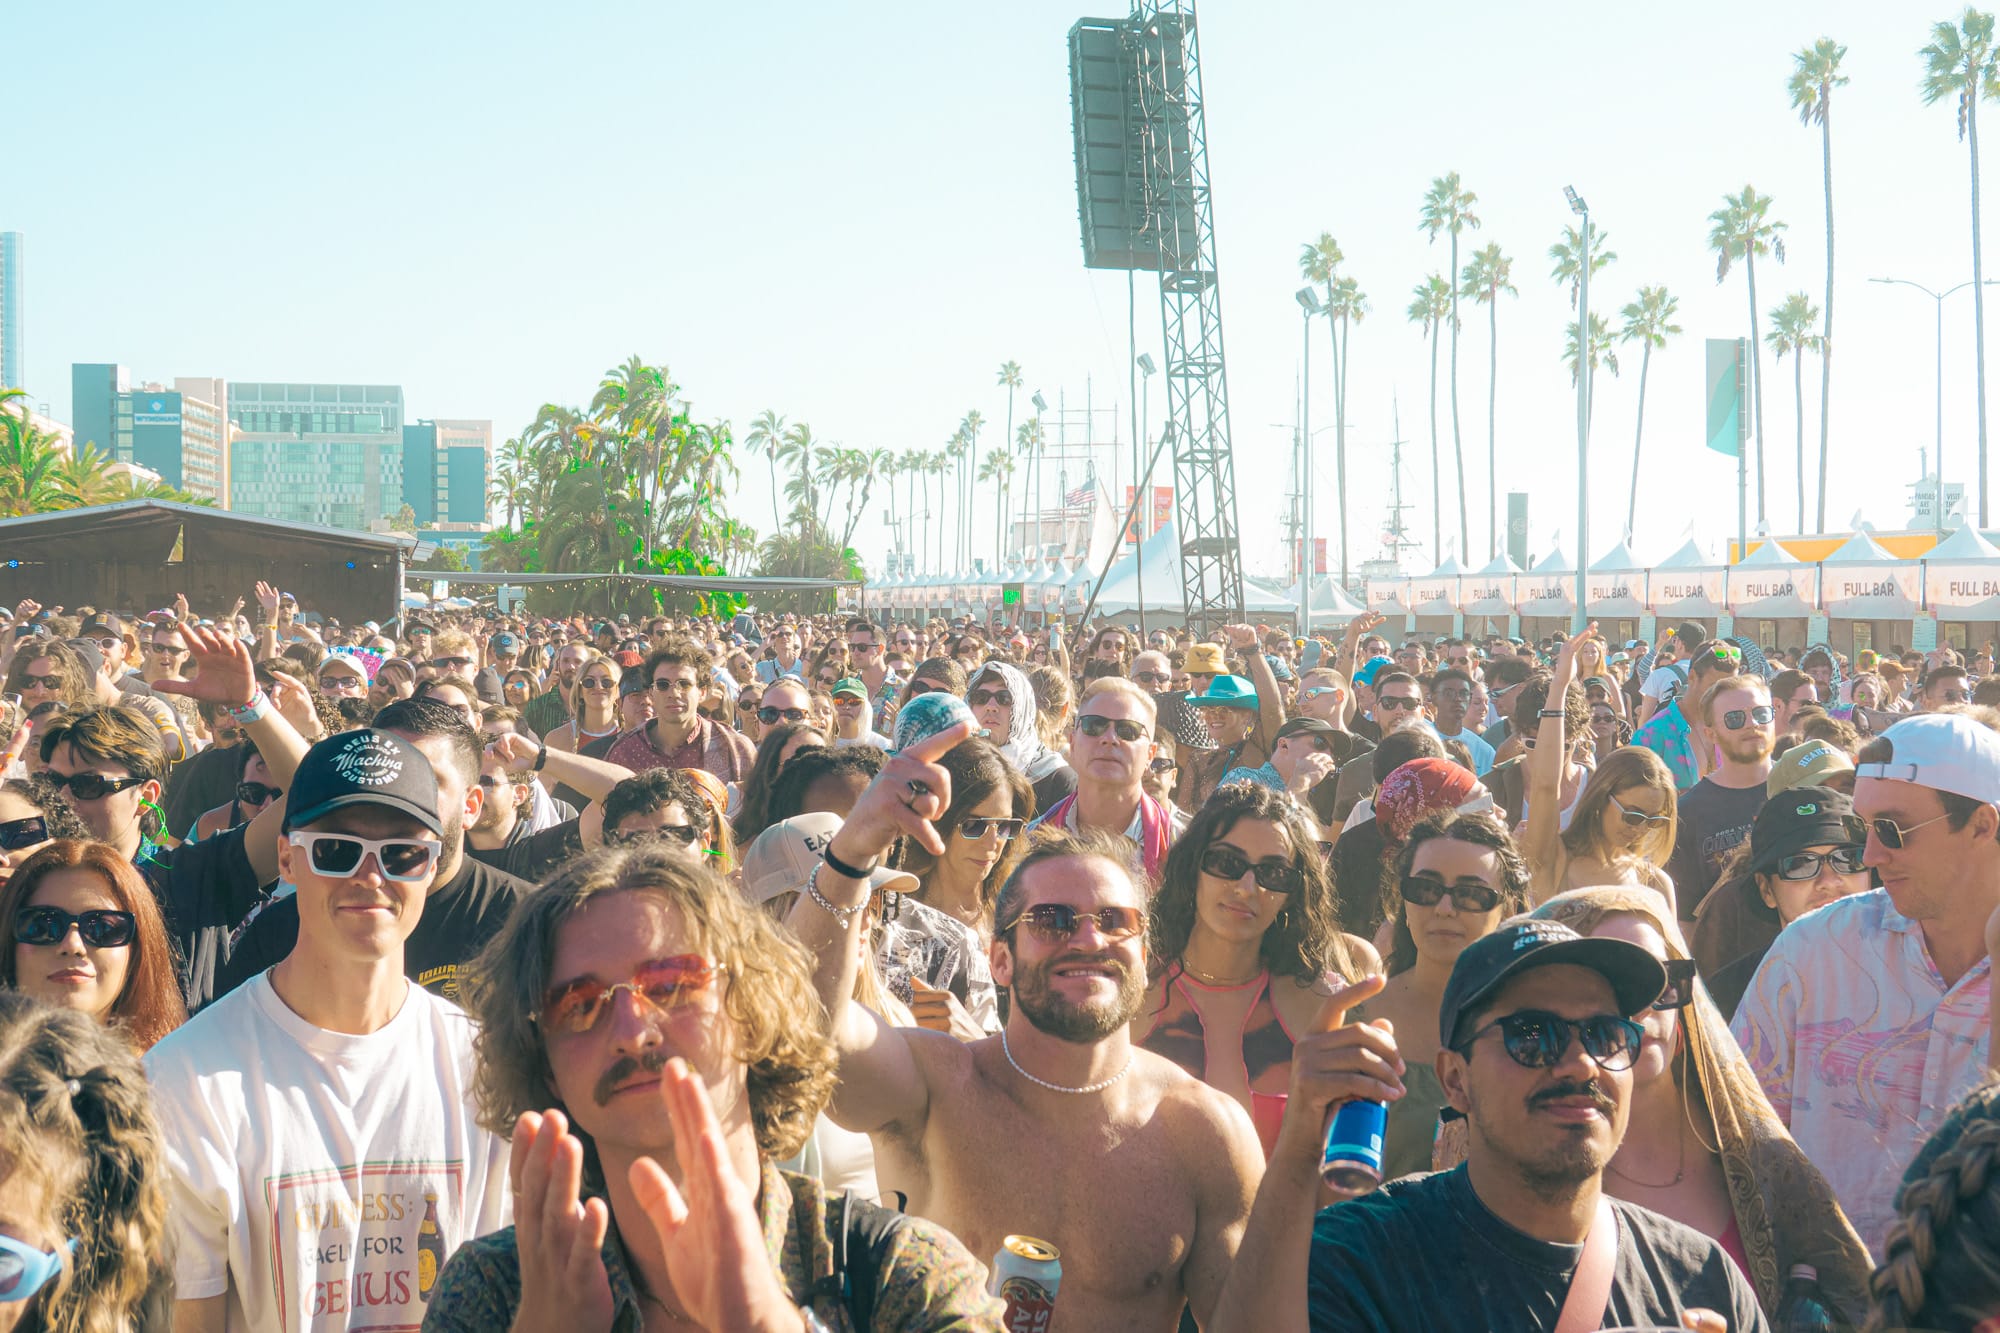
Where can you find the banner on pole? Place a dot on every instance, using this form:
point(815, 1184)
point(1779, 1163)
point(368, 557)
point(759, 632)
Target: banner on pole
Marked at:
point(1725, 396)
point(1150, 517)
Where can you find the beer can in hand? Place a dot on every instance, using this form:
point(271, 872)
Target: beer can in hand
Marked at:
point(1026, 1275)
point(1352, 1163)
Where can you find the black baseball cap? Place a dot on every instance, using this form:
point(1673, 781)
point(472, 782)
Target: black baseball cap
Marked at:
point(422, 627)
point(1486, 964)
point(1802, 817)
point(364, 767)
point(1303, 726)
point(101, 626)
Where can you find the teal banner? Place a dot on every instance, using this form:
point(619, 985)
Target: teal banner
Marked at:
point(1725, 395)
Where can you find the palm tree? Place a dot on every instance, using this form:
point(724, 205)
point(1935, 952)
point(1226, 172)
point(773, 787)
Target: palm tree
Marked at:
point(1792, 331)
point(1029, 439)
point(1430, 306)
point(873, 463)
point(767, 432)
point(1602, 353)
point(1489, 275)
point(1743, 230)
point(798, 450)
point(998, 468)
point(941, 462)
point(1568, 266)
point(1319, 262)
point(973, 423)
point(1815, 74)
point(1448, 208)
point(1348, 308)
point(1961, 59)
point(1010, 380)
point(1649, 321)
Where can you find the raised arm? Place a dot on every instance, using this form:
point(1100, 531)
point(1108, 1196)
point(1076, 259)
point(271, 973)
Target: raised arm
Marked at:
point(881, 1082)
point(593, 777)
point(1541, 841)
point(1270, 703)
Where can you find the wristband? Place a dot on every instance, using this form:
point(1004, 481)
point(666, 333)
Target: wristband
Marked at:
point(841, 867)
point(841, 915)
point(256, 710)
point(541, 757)
point(1552, 712)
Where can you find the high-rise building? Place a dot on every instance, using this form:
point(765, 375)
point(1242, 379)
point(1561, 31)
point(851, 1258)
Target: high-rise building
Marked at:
point(330, 454)
point(465, 434)
point(176, 433)
point(445, 467)
point(13, 374)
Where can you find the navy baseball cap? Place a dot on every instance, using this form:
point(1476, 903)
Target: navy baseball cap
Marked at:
point(364, 767)
point(1488, 963)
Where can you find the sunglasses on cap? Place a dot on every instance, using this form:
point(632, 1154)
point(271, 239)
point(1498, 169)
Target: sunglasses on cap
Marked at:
point(1394, 702)
point(1679, 993)
point(1056, 922)
point(1723, 652)
point(978, 827)
point(92, 786)
point(1537, 1039)
point(768, 715)
point(660, 984)
point(98, 929)
point(1638, 818)
point(1806, 865)
point(1225, 862)
point(1736, 718)
point(1095, 724)
point(980, 698)
point(684, 834)
point(257, 793)
point(335, 855)
point(1423, 891)
point(16, 834)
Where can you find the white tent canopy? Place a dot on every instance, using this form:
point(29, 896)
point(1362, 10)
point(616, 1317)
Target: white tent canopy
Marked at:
point(1330, 605)
point(1159, 559)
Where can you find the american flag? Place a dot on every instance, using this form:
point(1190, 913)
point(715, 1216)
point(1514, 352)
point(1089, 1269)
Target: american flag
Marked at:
point(1081, 498)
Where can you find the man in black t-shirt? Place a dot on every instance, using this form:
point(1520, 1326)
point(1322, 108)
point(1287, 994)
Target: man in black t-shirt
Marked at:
point(1716, 813)
point(1537, 1051)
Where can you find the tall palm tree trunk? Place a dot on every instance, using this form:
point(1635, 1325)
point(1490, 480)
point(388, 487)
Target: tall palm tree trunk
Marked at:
point(1457, 446)
point(1826, 329)
point(1492, 448)
point(1339, 409)
point(1340, 449)
point(1007, 443)
point(1437, 477)
point(1799, 406)
point(771, 457)
point(1756, 379)
point(1978, 291)
point(1638, 436)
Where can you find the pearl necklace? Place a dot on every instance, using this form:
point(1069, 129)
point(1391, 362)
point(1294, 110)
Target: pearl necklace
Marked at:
point(1100, 1086)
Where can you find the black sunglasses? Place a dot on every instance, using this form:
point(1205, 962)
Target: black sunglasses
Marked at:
point(1225, 862)
point(1164, 764)
point(1055, 922)
point(978, 827)
point(918, 687)
point(684, 834)
point(451, 661)
point(1151, 678)
point(257, 793)
point(980, 698)
point(92, 786)
point(1395, 702)
point(98, 929)
point(1537, 1039)
point(1094, 724)
point(1806, 865)
point(18, 833)
point(768, 715)
point(1759, 716)
point(1424, 891)
point(1679, 993)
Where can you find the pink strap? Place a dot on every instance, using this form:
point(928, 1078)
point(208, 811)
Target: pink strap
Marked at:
point(1590, 1289)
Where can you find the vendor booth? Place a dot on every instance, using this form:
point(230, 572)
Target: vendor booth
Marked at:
point(1868, 595)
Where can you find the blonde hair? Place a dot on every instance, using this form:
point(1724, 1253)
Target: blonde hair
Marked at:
point(1119, 685)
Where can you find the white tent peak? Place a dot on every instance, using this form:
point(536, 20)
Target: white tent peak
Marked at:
point(1861, 549)
point(1967, 543)
point(1690, 556)
point(1619, 557)
point(1449, 569)
point(1498, 565)
point(1769, 554)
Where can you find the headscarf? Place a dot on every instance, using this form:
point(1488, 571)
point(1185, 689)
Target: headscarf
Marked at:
point(1785, 1210)
point(927, 715)
point(1023, 746)
point(1420, 789)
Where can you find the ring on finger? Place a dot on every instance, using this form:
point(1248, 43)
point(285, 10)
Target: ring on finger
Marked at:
point(918, 788)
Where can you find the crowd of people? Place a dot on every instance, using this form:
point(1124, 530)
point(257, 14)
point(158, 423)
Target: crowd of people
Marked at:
point(487, 971)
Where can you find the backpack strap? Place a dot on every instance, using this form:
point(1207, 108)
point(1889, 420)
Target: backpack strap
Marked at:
point(860, 1245)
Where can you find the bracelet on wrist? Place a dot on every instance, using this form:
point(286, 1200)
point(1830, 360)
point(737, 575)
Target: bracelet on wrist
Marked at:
point(256, 710)
point(1552, 712)
point(841, 867)
point(841, 915)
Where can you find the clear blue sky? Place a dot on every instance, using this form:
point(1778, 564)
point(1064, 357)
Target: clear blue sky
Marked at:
point(853, 213)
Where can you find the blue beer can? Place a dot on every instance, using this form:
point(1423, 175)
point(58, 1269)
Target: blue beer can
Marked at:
point(1352, 1163)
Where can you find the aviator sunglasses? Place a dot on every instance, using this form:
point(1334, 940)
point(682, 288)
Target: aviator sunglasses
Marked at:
point(1057, 922)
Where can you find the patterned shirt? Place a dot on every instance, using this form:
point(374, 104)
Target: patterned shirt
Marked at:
point(1861, 1046)
point(1666, 735)
point(725, 753)
point(925, 1281)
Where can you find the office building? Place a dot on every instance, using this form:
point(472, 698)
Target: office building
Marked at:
point(445, 468)
point(13, 373)
point(331, 454)
point(177, 435)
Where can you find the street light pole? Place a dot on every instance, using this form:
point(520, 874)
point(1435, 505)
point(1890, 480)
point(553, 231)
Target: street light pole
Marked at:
point(1577, 206)
point(1142, 477)
point(1308, 301)
point(1937, 500)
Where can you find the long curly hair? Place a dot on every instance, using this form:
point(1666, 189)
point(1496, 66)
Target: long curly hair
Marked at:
point(150, 1005)
point(1620, 771)
point(782, 1033)
point(1941, 1267)
point(1305, 942)
point(76, 689)
point(76, 1118)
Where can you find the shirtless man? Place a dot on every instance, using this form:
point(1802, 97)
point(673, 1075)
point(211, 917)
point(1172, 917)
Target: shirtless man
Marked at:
point(1060, 1128)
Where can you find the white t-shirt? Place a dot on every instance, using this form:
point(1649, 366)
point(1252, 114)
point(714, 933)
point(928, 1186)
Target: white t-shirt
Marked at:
point(321, 1178)
point(1664, 683)
point(874, 738)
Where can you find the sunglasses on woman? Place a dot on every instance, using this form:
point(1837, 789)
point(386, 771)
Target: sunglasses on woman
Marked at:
point(684, 834)
point(660, 984)
point(1225, 862)
point(1806, 865)
point(1093, 724)
point(336, 855)
point(980, 698)
point(1537, 1039)
point(92, 786)
point(98, 929)
point(1056, 922)
point(1679, 993)
point(16, 834)
point(1638, 818)
point(41, 682)
point(257, 793)
point(768, 715)
point(1760, 716)
point(1151, 678)
point(599, 683)
point(1424, 891)
point(978, 827)
point(25, 1270)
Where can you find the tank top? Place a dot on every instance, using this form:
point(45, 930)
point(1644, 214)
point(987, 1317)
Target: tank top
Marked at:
point(1249, 1058)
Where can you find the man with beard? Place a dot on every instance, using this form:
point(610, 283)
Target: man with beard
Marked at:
point(988, 1137)
point(467, 902)
point(1717, 812)
point(550, 709)
point(1536, 1051)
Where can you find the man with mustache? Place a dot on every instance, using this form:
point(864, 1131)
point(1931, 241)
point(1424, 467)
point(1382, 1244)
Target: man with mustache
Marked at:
point(1717, 812)
point(1060, 1127)
point(1537, 1050)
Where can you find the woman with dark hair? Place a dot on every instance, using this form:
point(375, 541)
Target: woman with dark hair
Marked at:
point(518, 687)
point(32, 814)
point(1457, 878)
point(1941, 1269)
point(820, 779)
point(982, 828)
point(82, 1181)
point(781, 741)
point(933, 673)
point(87, 934)
point(1244, 944)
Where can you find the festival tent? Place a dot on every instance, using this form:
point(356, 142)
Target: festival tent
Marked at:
point(1615, 585)
point(1962, 577)
point(1159, 560)
point(1435, 595)
point(1546, 590)
point(1487, 594)
point(1688, 585)
point(1862, 581)
point(1330, 604)
point(1770, 584)
point(1076, 588)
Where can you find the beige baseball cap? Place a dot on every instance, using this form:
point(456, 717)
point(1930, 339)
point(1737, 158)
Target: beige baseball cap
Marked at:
point(1807, 765)
point(782, 858)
